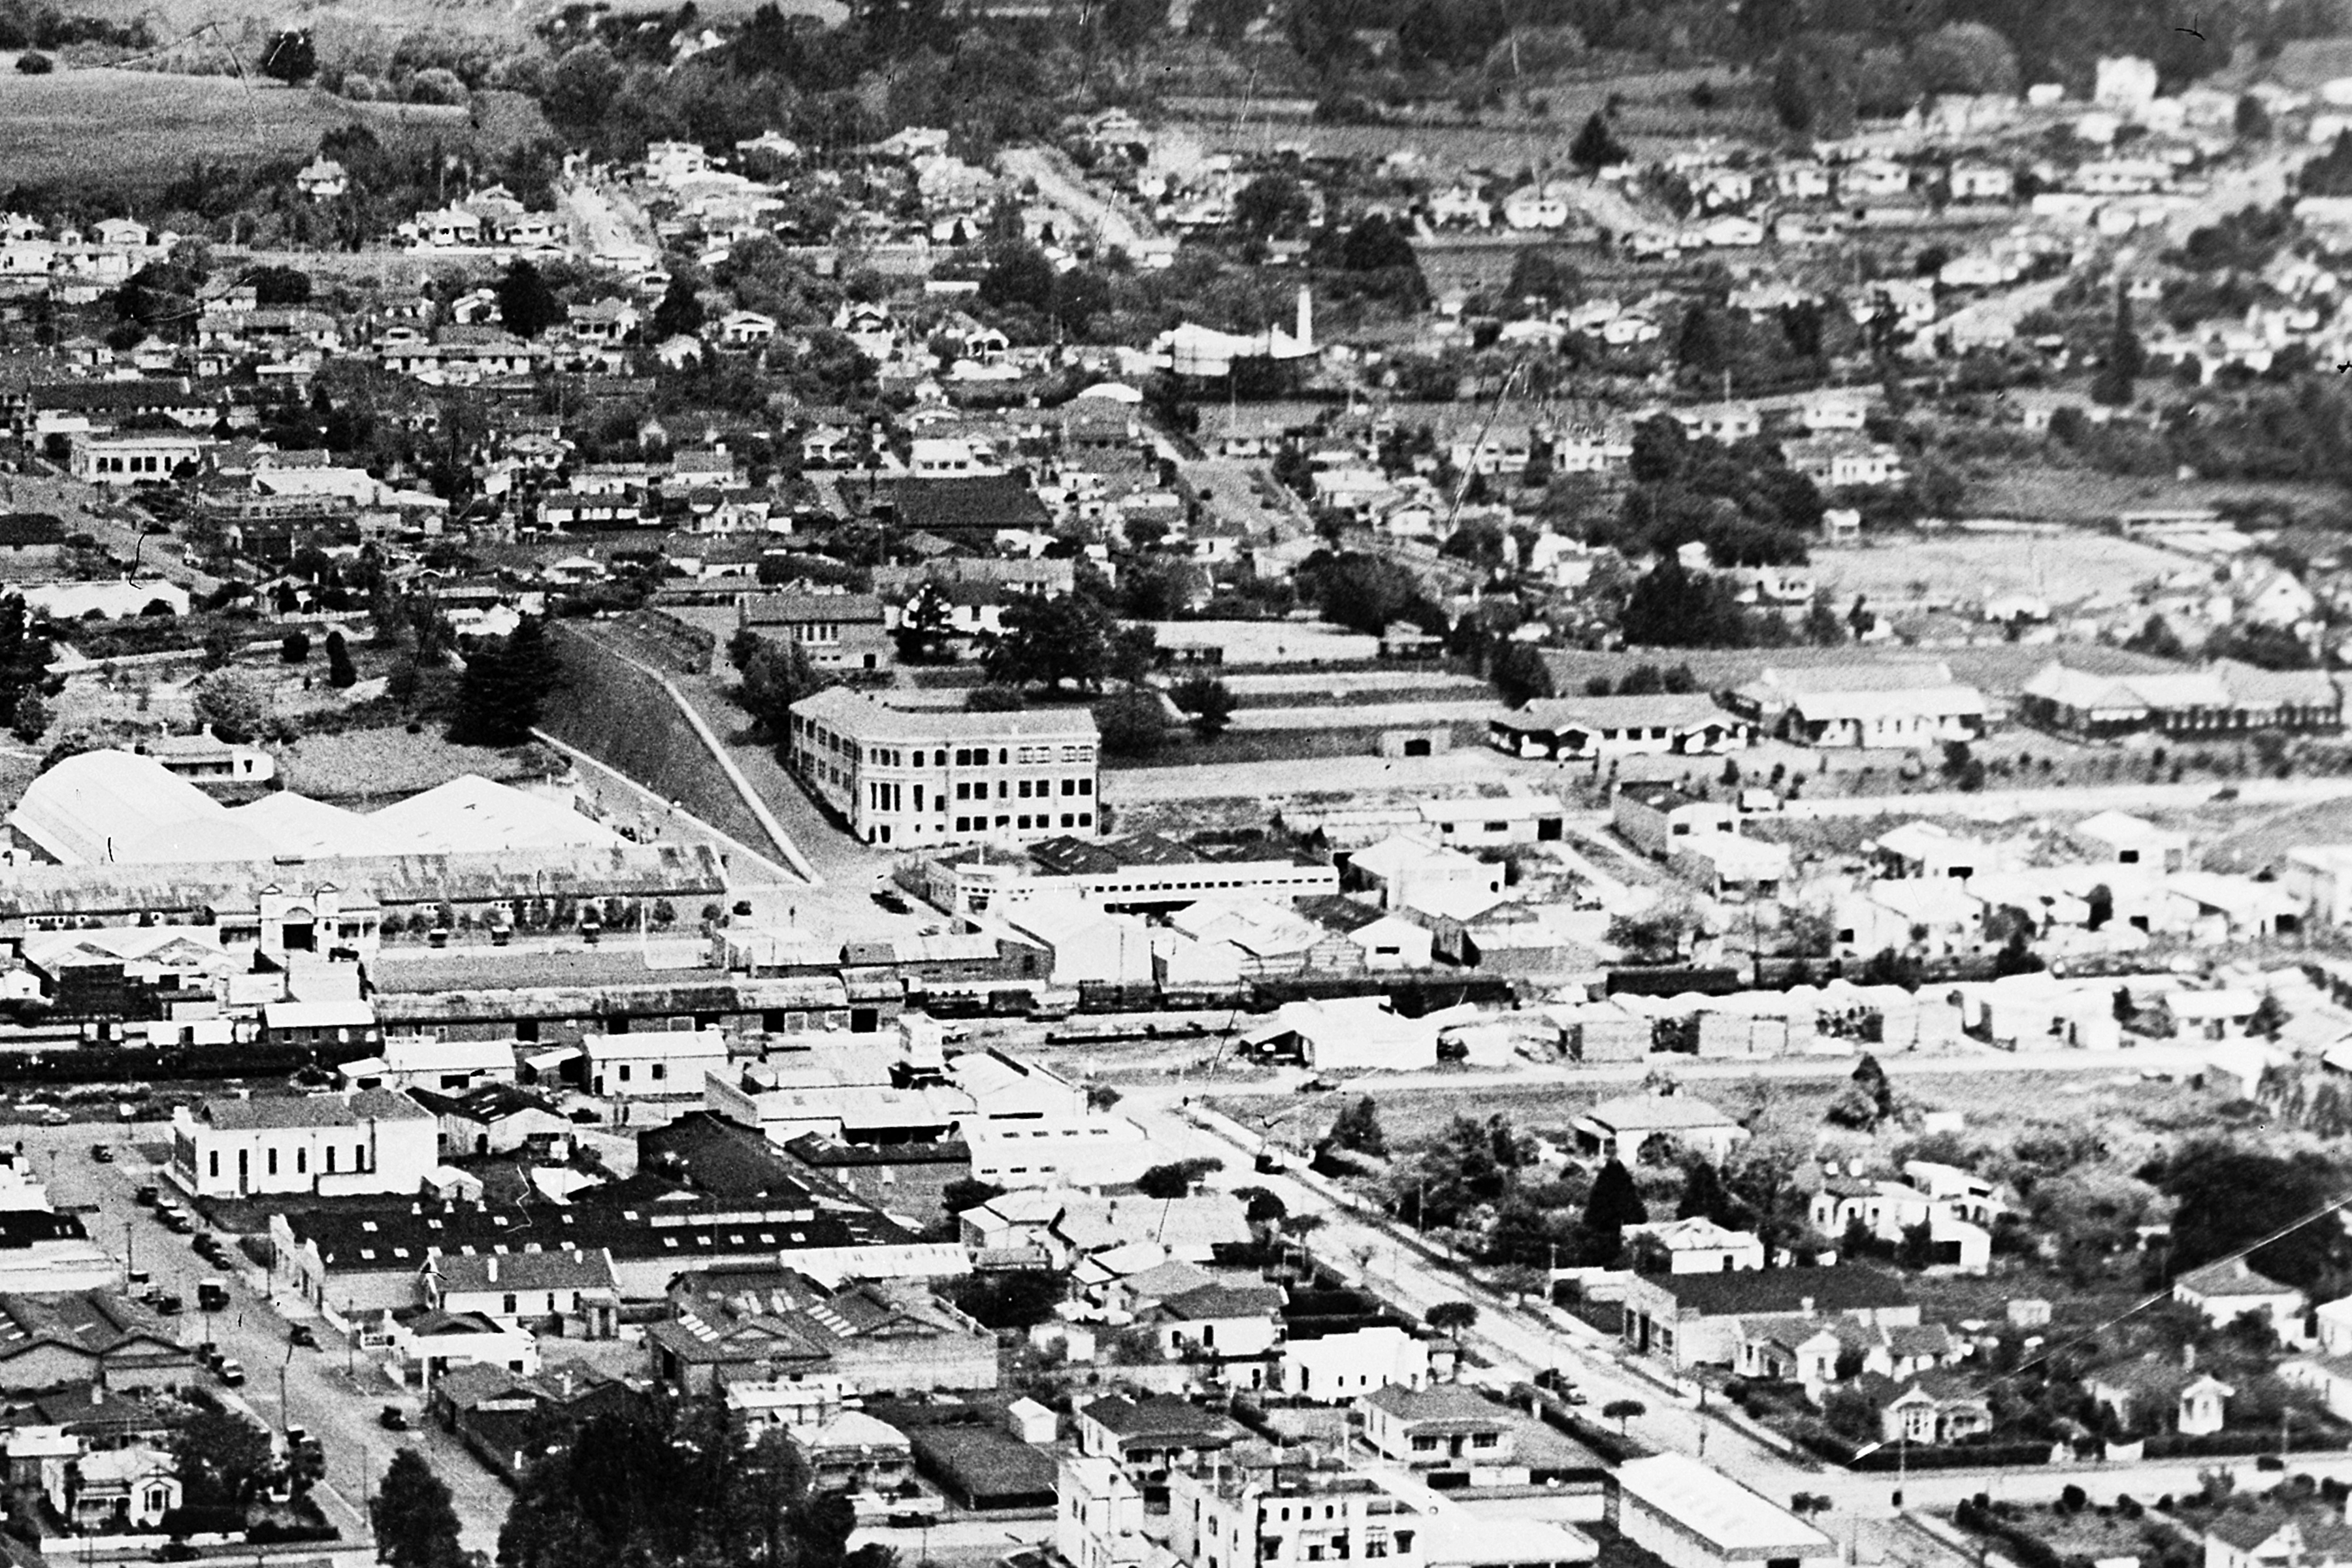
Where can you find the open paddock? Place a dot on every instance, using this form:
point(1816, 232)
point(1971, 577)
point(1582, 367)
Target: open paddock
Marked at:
point(102, 125)
point(1966, 566)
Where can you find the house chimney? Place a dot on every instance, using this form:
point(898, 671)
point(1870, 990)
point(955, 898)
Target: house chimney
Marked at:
point(97, 1393)
point(493, 1262)
point(1805, 1305)
point(2189, 1358)
point(1305, 318)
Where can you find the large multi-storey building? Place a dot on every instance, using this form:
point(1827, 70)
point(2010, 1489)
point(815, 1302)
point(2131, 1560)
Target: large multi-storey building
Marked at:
point(1232, 1517)
point(909, 777)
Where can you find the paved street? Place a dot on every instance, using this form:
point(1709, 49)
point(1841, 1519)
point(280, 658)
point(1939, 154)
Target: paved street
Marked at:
point(1115, 228)
point(329, 1392)
point(1519, 1341)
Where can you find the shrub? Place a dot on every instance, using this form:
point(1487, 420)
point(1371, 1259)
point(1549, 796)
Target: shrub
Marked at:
point(31, 63)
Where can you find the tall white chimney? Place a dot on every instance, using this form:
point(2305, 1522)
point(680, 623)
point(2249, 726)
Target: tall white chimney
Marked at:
point(1305, 318)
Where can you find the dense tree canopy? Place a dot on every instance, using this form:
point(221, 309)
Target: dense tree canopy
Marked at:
point(505, 686)
point(2230, 1196)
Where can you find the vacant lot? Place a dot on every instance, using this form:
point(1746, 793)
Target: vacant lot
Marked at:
point(1964, 569)
point(1996, 1102)
point(103, 125)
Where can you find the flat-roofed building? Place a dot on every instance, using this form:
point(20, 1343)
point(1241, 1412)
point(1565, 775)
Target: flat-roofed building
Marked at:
point(905, 776)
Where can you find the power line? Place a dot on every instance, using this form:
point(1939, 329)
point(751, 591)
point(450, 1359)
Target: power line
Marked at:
point(2052, 1353)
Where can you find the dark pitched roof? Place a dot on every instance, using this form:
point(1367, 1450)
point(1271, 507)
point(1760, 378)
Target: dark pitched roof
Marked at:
point(969, 505)
point(2325, 1535)
point(1337, 911)
point(1162, 1421)
point(826, 1153)
point(802, 609)
point(1756, 1291)
point(721, 1158)
point(982, 1465)
point(370, 1238)
point(485, 1104)
point(2231, 1277)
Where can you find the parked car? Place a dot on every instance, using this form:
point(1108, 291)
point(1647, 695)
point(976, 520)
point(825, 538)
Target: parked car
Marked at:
point(232, 1371)
point(1554, 1381)
point(393, 1419)
point(303, 1334)
point(169, 1306)
point(148, 1195)
point(102, 1152)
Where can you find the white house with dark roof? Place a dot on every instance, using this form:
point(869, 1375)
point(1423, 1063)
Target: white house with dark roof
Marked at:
point(2226, 1291)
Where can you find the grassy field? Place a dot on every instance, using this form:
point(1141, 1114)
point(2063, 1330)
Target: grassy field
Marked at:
point(128, 127)
point(2265, 839)
point(626, 721)
point(2055, 495)
point(1656, 110)
point(1961, 569)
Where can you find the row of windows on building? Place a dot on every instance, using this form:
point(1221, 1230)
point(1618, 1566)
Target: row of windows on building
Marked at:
point(977, 756)
point(301, 1162)
point(148, 463)
point(1022, 821)
point(885, 796)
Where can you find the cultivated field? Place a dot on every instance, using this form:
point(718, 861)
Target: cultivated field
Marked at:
point(1967, 568)
point(129, 126)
